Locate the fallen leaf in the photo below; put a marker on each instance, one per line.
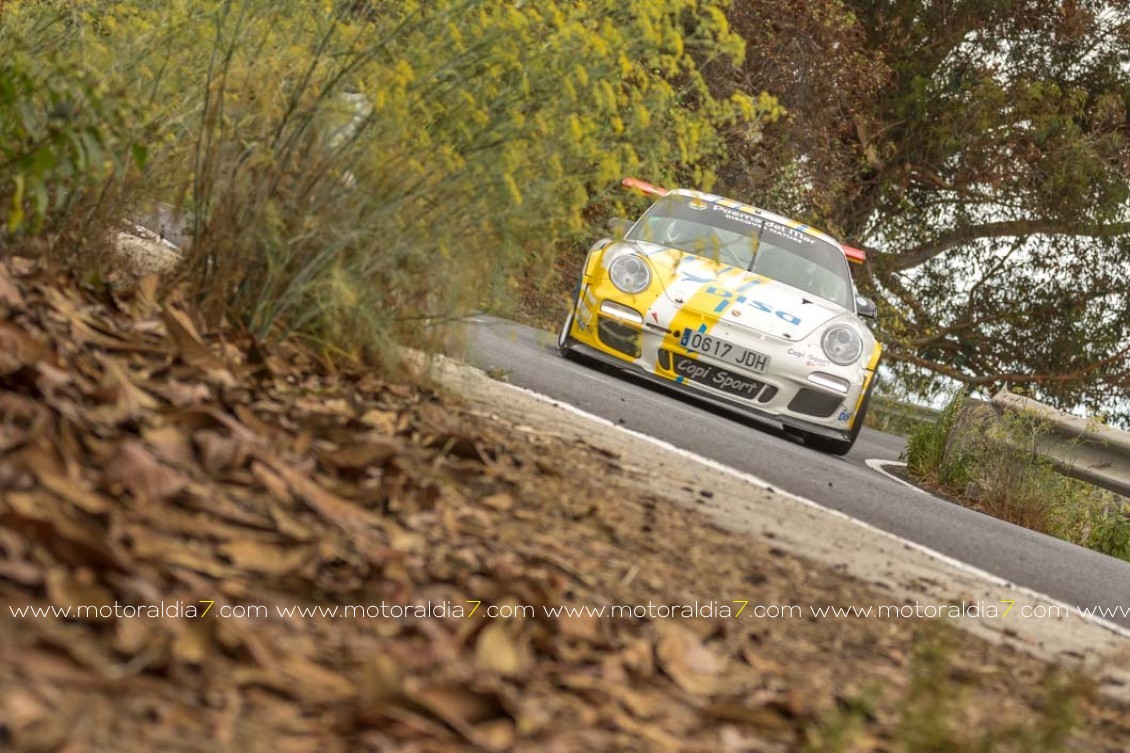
(170, 444)
(382, 420)
(275, 485)
(766, 717)
(382, 681)
(499, 650)
(121, 399)
(64, 590)
(132, 636)
(459, 706)
(217, 452)
(29, 723)
(502, 501)
(10, 295)
(582, 626)
(193, 641)
(18, 348)
(49, 472)
(685, 659)
(145, 297)
(136, 469)
(299, 678)
(181, 394)
(496, 735)
(40, 518)
(360, 456)
(331, 507)
(191, 348)
(266, 558)
(20, 418)
(458, 445)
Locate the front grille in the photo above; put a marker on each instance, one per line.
(813, 403)
(619, 336)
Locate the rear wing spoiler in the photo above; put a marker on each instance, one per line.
(640, 185)
(854, 255)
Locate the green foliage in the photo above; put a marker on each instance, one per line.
(928, 720)
(934, 708)
(994, 464)
(359, 172)
(60, 136)
(1110, 531)
(981, 150)
(926, 446)
(931, 712)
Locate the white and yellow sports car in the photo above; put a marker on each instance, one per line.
(737, 305)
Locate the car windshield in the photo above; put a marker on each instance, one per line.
(748, 241)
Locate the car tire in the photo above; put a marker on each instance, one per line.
(564, 341)
(842, 446)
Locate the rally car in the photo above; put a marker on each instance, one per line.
(737, 305)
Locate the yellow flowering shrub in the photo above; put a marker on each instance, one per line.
(357, 168)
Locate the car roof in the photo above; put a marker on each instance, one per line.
(773, 216)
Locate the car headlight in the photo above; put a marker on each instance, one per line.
(842, 345)
(630, 274)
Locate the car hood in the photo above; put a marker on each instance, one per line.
(717, 290)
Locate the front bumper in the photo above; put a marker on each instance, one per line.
(711, 398)
(647, 344)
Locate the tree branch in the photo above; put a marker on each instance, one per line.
(918, 255)
(972, 379)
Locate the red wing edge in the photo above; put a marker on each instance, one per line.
(854, 255)
(640, 185)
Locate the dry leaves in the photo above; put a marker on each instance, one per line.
(147, 466)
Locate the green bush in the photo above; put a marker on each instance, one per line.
(1110, 531)
(926, 456)
(360, 171)
(62, 137)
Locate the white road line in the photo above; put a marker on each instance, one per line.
(876, 464)
(750, 478)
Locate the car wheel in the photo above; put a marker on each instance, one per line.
(842, 446)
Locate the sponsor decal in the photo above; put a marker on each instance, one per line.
(798, 235)
(729, 298)
(712, 376)
(694, 269)
(584, 317)
(810, 360)
(742, 217)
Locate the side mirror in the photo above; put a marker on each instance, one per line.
(866, 307)
(619, 226)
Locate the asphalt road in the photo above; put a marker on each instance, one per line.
(1071, 574)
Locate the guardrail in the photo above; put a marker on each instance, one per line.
(1077, 447)
(890, 415)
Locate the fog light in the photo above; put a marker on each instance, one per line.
(830, 382)
(611, 308)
